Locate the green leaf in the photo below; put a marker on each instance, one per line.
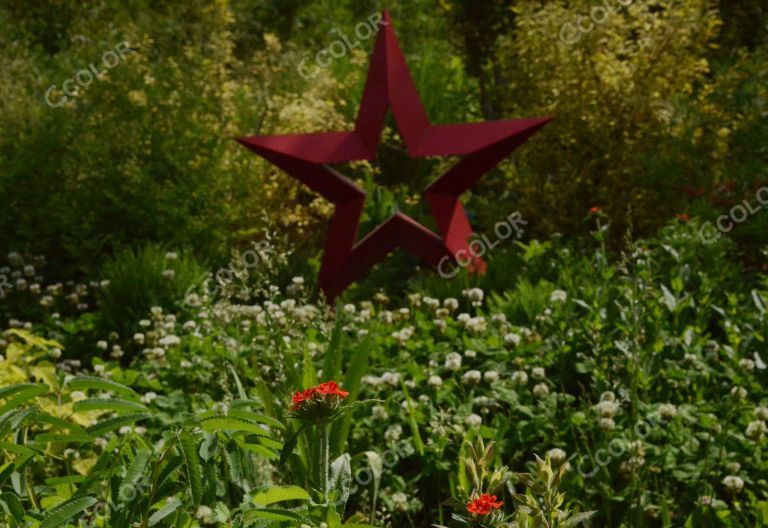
(65, 511)
(91, 382)
(417, 441)
(290, 445)
(332, 360)
(271, 514)
(188, 446)
(170, 507)
(111, 424)
(234, 462)
(58, 423)
(13, 389)
(254, 417)
(13, 506)
(63, 438)
(231, 423)
(23, 396)
(108, 404)
(280, 494)
(136, 469)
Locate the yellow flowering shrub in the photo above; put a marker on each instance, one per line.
(612, 80)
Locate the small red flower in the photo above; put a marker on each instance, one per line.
(321, 392)
(683, 217)
(595, 209)
(484, 505)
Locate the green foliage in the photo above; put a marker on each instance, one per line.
(139, 280)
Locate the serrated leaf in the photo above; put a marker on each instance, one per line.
(188, 446)
(65, 511)
(234, 462)
(94, 383)
(280, 494)
(107, 404)
(51, 438)
(10, 390)
(23, 396)
(111, 424)
(13, 506)
(255, 417)
(137, 467)
(170, 507)
(231, 423)
(271, 514)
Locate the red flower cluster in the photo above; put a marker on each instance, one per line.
(595, 209)
(684, 217)
(322, 391)
(484, 505)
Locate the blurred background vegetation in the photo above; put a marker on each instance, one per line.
(660, 111)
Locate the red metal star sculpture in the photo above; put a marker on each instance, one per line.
(389, 85)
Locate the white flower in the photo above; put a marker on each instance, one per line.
(205, 514)
(148, 397)
(138, 338)
(607, 409)
(475, 296)
(474, 421)
(557, 456)
(169, 340)
(77, 395)
(538, 373)
(519, 377)
(667, 410)
(171, 255)
(453, 361)
(98, 369)
(144, 323)
(472, 377)
(761, 413)
(102, 345)
(470, 354)
(55, 353)
(379, 412)
(476, 325)
(374, 381)
(125, 429)
(169, 274)
(747, 364)
(607, 423)
(608, 396)
(435, 381)
(739, 392)
(393, 433)
(558, 296)
(490, 376)
(349, 308)
(540, 390)
(191, 325)
(512, 339)
(391, 378)
(756, 430)
(733, 484)
(400, 501)
(451, 304)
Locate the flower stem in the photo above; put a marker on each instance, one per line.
(325, 459)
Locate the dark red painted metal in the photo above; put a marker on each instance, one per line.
(390, 85)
